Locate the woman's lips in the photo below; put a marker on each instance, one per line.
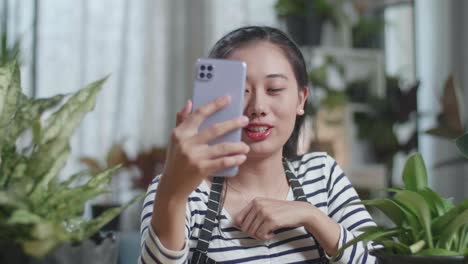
(258, 131)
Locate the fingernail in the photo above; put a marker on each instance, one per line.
(185, 106)
(244, 120)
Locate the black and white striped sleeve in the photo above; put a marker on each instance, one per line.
(152, 250)
(350, 217)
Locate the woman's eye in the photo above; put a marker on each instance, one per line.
(275, 90)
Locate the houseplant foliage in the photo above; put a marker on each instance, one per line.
(148, 163)
(378, 119)
(426, 227)
(37, 211)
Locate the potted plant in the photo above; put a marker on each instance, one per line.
(304, 18)
(41, 218)
(141, 168)
(377, 118)
(367, 32)
(148, 163)
(426, 228)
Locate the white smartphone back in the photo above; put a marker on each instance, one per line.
(215, 78)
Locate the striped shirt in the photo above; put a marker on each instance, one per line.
(325, 186)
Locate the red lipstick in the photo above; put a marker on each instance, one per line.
(258, 131)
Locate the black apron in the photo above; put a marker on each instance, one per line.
(204, 238)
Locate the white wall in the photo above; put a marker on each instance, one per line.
(441, 41)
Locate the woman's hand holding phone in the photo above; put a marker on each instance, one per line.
(190, 158)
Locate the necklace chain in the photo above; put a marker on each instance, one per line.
(242, 194)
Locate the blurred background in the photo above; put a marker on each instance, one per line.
(388, 78)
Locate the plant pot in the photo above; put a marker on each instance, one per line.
(306, 30)
(88, 252)
(387, 258)
(98, 209)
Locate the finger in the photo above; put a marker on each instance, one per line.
(197, 117)
(225, 149)
(221, 128)
(213, 165)
(263, 233)
(242, 214)
(255, 225)
(248, 220)
(184, 113)
(266, 230)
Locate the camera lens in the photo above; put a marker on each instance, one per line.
(202, 75)
(210, 68)
(208, 75)
(202, 67)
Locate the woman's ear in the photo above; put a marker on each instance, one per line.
(303, 95)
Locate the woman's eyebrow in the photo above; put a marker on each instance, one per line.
(277, 75)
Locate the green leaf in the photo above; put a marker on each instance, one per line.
(39, 248)
(74, 178)
(462, 144)
(407, 220)
(449, 232)
(414, 173)
(46, 236)
(54, 169)
(434, 201)
(8, 199)
(417, 205)
(463, 243)
(23, 216)
(10, 93)
(441, 223)
(94, 225)
(395, 247)
(69, 202)
(392, 210)
(57, 132)
(28, 115)
(372, 233)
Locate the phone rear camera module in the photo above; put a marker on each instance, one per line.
(209, 75)
(202, 67)
(210, 68)
(202, 75)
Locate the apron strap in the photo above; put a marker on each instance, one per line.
(300, 196)
(206, 231)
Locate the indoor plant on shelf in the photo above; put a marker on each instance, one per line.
(304, 18)
(427, 228)
(41, 218)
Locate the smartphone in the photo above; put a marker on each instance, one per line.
(215, 78)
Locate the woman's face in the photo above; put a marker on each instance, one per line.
(272, 98)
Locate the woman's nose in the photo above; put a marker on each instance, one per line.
(255, 106)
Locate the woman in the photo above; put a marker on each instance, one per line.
(281, 207)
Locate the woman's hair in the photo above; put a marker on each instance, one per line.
(244, 36)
